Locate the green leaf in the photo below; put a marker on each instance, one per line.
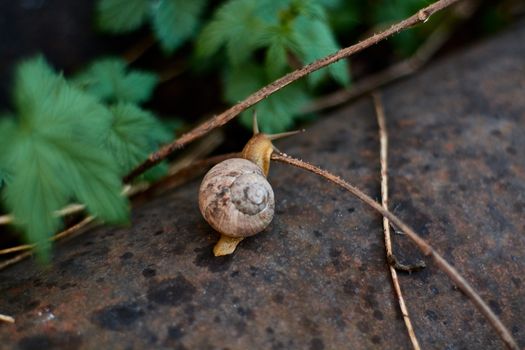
(277, 112)
(174, 21)
(110, 80)
(315, 40)
(236, 26)
(36, 190)
(134, 134)
(120, 16)
(280, 43)
(53, 153)
(6, 133)
(92, 179)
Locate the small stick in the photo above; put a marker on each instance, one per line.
(56, 237)
(422, 245)
(383, 156)
(420, 16)
(8, 319)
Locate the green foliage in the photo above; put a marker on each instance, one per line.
(173, 21)
(272, 37)
(134, 134)
(111, 81)
(288, 33)
(120, 16)
(65, 145)
(276, 113)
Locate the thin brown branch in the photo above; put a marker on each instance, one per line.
(383, 156)
(422, 245)
(401, 69)
(221, 119)
(5, 318)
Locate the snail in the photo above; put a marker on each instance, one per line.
(235, 197)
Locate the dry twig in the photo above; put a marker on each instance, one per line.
(221, 119)
(401, 69)
(422, 245)
(28, 248)
(383, 155)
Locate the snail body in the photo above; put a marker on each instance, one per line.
(235, 197)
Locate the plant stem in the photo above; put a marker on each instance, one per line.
(425, 247)
(421, 16)
(401, 69)
(383, 157)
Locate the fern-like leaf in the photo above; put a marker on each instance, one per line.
(53, 154)
(120, 16)
(277, 112)
(236, 26)
(175, 21)
(315, 40)
(110, 80)
(134, 134)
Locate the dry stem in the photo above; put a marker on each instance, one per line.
(400, 69)
(67, 232)
(221, 119)
(383, 156)
(426, 248)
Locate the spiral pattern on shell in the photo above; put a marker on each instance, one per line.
(236, 199)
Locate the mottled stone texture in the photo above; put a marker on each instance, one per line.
(317, 277)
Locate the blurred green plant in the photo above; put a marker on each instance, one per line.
(253, 43)
(173, 21)
(64, 143)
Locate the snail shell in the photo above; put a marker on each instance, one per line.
(236, 199)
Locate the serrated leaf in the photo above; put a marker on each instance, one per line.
(134, 134)
(35, 82)
(174, 21)
(110, 80)
(277, 112)
(120, 16)
(36, 190)
(92, 178)
(236, 26)
(315, 40)
(280, 43)
(53, 152)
